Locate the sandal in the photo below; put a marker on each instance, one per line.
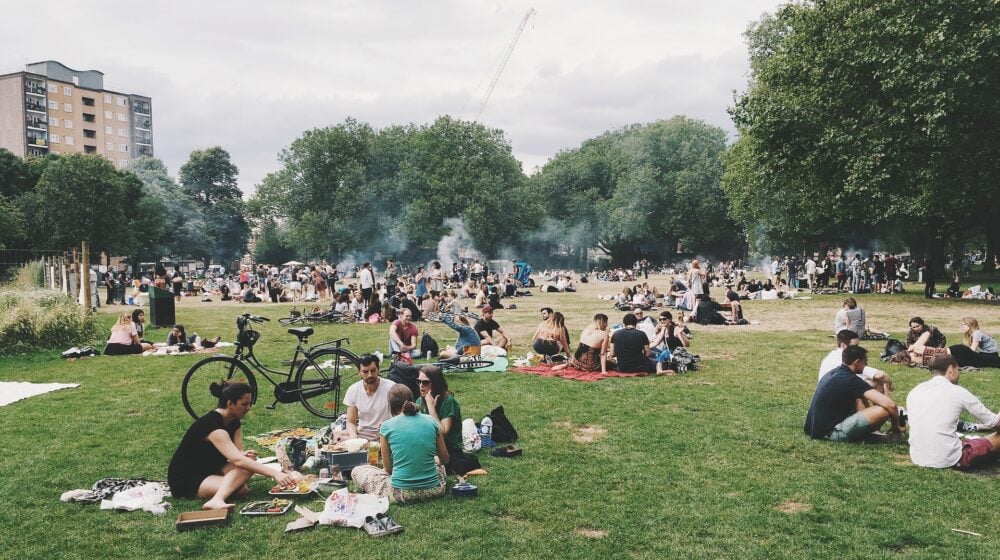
(390, 525)
(508, 452)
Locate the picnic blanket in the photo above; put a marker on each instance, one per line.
(175, 351)
(13, 391)
(570, 372)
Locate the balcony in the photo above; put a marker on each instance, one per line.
(88, 101)
(37, 123)
(38, 150)
(89, 133)
(37, 139)
(87, 117)
(89, 149)
(31, 104)
(34, 88)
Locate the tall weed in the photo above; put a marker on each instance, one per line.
(31, 275)
(53, 321)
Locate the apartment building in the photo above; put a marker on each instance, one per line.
(51, 108)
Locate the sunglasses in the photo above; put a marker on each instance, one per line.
(424, 381)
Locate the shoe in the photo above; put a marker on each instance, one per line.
(389, 524)
(967, 427)
(508, 452)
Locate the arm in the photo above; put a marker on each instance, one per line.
(679, 333)
(352, 421)
(442, 450)
(604, 354)
(485, 338)
(877, 398)
(386, 454)
(235, 455)
(394, 337)
(975, 343)
(412, 344)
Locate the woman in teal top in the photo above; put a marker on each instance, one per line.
(410, 442)
(437, 402)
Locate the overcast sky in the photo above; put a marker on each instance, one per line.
(252, 75)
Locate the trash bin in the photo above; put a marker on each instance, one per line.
(161, 307)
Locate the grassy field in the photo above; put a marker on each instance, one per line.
(713, 464)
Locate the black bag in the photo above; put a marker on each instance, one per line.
(402, 372)
(503, 430)
(682, 361)
(429, 345)
(892, 348)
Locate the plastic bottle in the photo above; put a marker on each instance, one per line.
(486, 426)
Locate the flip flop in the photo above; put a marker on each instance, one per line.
(391, 527)
(508, 452)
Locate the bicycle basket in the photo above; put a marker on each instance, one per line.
(248, 338)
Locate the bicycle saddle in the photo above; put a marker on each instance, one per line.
(301, 332)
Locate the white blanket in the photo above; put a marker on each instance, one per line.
(13, 391)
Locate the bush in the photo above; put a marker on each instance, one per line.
(31, 275)
(47, 322)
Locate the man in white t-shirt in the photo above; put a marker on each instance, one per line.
(811, 272)
(934, 409)
(877, 378)
(645, 324)
(367, 401)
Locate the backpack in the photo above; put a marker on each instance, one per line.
(429, 346)
(402, 372)
(892, 348)
(503, 430)
(683, 361)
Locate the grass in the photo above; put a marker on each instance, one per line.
(709, 465)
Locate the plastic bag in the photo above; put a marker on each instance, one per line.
(148, 497)
(471, 440)
(350, 510)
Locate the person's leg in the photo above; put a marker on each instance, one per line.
(964, 355)
(219, 488)
(371, 480)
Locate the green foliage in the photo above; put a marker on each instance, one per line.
(270, 246)
(30, 276)
(209, 179)
(183, 228)
(877, 113)
(641, 190)
(42, 320)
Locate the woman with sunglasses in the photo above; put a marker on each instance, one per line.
(438, 402)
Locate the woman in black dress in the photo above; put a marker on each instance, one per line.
(210, 462)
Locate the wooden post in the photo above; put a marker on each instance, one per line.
(85, 276)
(64, 271)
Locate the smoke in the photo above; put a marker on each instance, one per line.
(457, 245)
(347, 264)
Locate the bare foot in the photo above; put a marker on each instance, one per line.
(217, 504)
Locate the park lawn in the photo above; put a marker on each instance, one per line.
(712, 464)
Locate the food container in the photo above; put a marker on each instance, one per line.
(464, 490)
(267, 507)
(346, 460)
(202, 518)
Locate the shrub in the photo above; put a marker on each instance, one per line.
(31, 275)
(45, 321)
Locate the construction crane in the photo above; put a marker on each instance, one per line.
(503, 62)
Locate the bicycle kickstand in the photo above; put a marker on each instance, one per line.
(273, 405)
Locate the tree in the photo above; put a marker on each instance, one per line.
(209, 178)
(185, 233)
(874, 113)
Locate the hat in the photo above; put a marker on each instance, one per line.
(487, 309)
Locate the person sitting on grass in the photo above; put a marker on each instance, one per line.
(210, 462)
(467, 336)
(845, 408)
(592, 353)
(438, 402)
(934, 408)
(179, 337)
(403, 335)
(923, 335)
(139, 322)
(979, 350)
(850, 316)
(124, 339)
(366, 400)
(550, 336)
(413, 454)
(877, 378)
(490, 332)
(630, 348)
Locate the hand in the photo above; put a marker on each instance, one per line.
(431, 401)
(283, 478)
(251, 454)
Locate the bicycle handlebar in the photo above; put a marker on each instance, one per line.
(248, 317)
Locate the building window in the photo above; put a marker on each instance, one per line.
(89, 118)
(123, 148)
(54, 138)
(109, 130)
(53, 121)
(67, 123)
(69, 140)
(122, 117)
(89, 133)
(54, 105)
(109, 115)
(107, 99)
(88, 101)
(89, 149)
(122, 102)
(53, 88)
(110, 146)
(67, 90)
(68, 107)
(123, 132)
(122, 163)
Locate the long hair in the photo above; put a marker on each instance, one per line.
(229, 391)
(973, 325)
(401, 400)
(439, 386)
(600, 323)
(124, 322)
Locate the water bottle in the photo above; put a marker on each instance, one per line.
(486, 431)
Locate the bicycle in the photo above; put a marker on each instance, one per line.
(317, 315)
(313, 379)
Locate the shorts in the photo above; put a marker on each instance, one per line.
(852, 428)
(973, 451)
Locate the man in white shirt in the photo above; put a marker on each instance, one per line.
(811, 272)
(877, 378)
(366, 276)
(367, 401)
(934, 409)
(645, 324)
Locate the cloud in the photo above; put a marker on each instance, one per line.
(252, 75)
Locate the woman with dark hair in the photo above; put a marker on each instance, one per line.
(436, 401)
(210, 462)
(410, 442)
(139, 322)
(373, 313)
(923, 335)
(592, 353)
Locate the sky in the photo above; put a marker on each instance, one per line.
(253, 75)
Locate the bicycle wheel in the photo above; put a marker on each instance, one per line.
(318, 380)
(197, 398)
(290, 320)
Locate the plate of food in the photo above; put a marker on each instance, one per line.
(300, 488)
(275, 506)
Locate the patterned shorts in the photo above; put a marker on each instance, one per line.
(373, 480)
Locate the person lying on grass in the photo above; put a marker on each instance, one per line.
(877, 378)
(411, 443)
(210, 462)
(934, 408)
(845, 408)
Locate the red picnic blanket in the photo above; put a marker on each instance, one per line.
(570, 372)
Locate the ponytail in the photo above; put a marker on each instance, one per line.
(409, 408)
